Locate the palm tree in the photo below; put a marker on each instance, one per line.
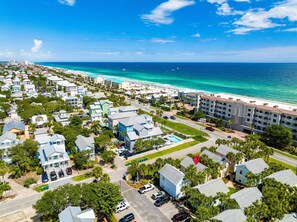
(230, 122)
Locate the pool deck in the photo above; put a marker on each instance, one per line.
(160, 149)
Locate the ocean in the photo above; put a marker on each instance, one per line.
(272, 81)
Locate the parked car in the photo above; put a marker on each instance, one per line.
(122, 206)
(180, 216)
(173, 117)
(165, 117)
(128, 218)
(44, 177)
(146, 188)
(61, 173)
(209, 128)
(119, 150)
(53, 176)
(68, 171)
(229, 137)
(126, 154)
(159, 202)
(157, 195)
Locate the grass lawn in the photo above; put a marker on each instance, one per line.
(168, 151)
(271, 160)
(181, 117)
(285, 153)
(39, 188)
(81, 177)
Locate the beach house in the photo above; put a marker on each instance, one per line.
(53, 155)
(7, 140)
(172, 180)
(187, 161)
(145, 131)
(113, 119)
(246, 197)
(285, 177)
(85, 144)
(39, 120)
(96, 112)
(14, 126)
(212, 187)
(223, 151)
(62, 118)
(234, 215)
(217, 159)
(255, 166)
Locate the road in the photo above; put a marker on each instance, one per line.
(284, 159)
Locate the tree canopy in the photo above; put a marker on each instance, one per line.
(277, 136)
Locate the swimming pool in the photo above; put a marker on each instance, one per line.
(174, 139)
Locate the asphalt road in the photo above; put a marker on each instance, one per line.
(143, 209)
(284, 159)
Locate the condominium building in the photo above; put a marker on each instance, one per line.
(249, 114)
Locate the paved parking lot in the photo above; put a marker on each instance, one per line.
(141, 205)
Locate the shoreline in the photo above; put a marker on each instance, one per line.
(160, 85)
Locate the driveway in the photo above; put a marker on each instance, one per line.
(140, 205)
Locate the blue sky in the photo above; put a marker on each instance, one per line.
(149, 30)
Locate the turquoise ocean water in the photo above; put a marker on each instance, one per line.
(273, 81)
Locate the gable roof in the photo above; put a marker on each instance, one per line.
(187, 161)
(8, 135)
(216, 158)
(172, 174)
(13, 124)
(130, 121)
(75, 214)
(212, 187)
(224, 150)
(246, 197)
(57, 137)
(255, 166)
(285, 177)
(232, 215)
(83, 142)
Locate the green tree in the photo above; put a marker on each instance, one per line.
(55, 201)
(3, 187)
(277, 136)
(102, 196)
(97, 172)
(108, 156)
(102, 141)
(81, 159)
(198, 115)
(75, 121)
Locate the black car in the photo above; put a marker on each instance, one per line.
(61, 173)
(53, 176)
(128, 218)
(68, 171)
(159, 202)
(165, 117)
(44, 177)
(126, 154)
(180, 216)
(173, 117)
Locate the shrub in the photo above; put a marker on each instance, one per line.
(39, 171)
(29, 181)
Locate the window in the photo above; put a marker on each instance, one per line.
(240, 172)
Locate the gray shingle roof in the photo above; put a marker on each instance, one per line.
(255, 166)
(57, 137)
(232, 215)
(285, 177)
(130, 121)
(246, 197)
(7, 135)
(14, 124)
(83, 142)
(172, 174)
(212, 187)
(224, 150)
(122, 115)
(216, 158)
(187, 161)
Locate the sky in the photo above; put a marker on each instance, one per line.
(149, 30)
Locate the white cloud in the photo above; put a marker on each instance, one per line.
(290, 30)
(37, 45)
(259, 19)
(6, 54)
(67, 2)
(208, 40)
(197, 35)
(162, 13)
(139, 53)
(223, 8)
(161, 41)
